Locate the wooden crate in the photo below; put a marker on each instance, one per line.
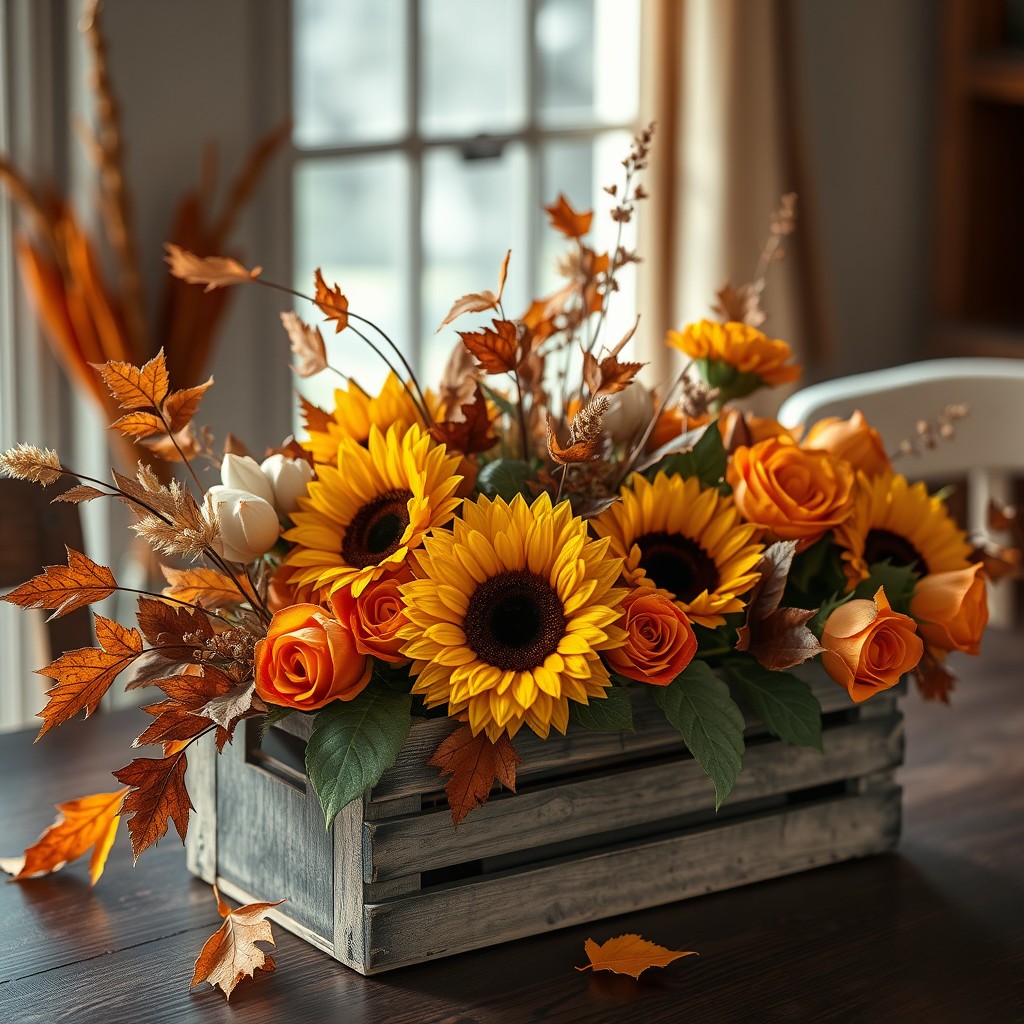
(603, 824)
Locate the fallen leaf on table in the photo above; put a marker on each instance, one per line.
(629, 954)
(231, 953)
(90, 822)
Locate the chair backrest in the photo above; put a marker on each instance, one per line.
(33, 533)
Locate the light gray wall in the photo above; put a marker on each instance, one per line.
(867, 75)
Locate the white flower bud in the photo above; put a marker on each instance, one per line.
(248, 524)
(243, 473)
(628, 413)
(290, 480)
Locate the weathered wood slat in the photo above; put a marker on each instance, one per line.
(620, 799)
(408, 930)
(201, 783)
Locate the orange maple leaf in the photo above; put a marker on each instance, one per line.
(572, 223)
(497, 350)
(180, 406)
(85, 675)
(473, 433)
(629, 954)
(156, 793)
(474, 763)
(136, 387)
(139, 424)
(90, 822)
(231, 953)
(313, 417)
(213, 271)
(478, 302)
(331, 302)
(65, 588)
(206, 587)
(190, 705)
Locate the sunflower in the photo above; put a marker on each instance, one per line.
(355, 412)
(509, 613)
(899, 522)
(686, 540)
(362, 517)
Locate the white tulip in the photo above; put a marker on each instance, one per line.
(290, 480)
(628, 413)
(248, 524)
(243, 473)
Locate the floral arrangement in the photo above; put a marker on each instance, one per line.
(520, 548)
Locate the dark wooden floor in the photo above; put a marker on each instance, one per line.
(931, 934)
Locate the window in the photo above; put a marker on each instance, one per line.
(427, 135)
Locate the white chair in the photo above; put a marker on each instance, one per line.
(988, 446)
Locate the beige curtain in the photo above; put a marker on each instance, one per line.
(719, 80)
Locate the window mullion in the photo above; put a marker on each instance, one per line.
(415, 211)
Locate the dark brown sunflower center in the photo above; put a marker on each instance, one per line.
(376, 529)
(677, 564)
(883, 545)
(514, 620)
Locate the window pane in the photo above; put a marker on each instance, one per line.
(581, 169)
(588, 57)
(349, 71)
(473, 57)
(351, 220)
(472, 212)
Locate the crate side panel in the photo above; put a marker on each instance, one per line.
(617, 800)
(439, 923)
(271, 839)
(201, 783)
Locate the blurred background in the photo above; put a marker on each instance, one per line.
(404, 145)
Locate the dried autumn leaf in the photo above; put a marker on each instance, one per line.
(331, 302)
(474, 763)
(571, 223)
(934, 680)
(206, 587)
(170, 448)
(498, 350)
(231, 953)
(213, 271)
(460, 378)
(90, 822)
(585, 435)
(29, 462)
(314, 419)
(228, 709)
(81, 492)
(65, 588)
(139, 424)
(307, 345)
(175, 630)
(473, 433)
(180, 406)
(1004, 517)
(136, 387)
(742, 304)
(157, 794)
(629, 954)
(615, 376)
(85, 675)
(478, 302)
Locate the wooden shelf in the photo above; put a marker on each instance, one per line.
(967, 338)
(998, 76)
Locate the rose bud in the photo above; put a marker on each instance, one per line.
(660, 641)
(243, 473)
(868, 646)
(951, 609)
(248, 525)
(628, 413)
(308, 659)
(289, 479)
(854, 440)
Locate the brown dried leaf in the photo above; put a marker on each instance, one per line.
(781, 640)
(474, 764)
(629, 954)
(29, 462)
(314, 419)
(181, 406)
(206, 587)
(76, 495)
(170, 448)
(615, 376)
(231, 954)
(229, 708)
(585, 435)
(473, 433)
(460, 378)
(135, 387)
(213, 271)
(331, 302)
(478, 302)
(742, 304)
(139, 425)
(307, 345)
(934, 680)
(65, 588)
(175, 630)
(571, 223)
(85, 675)
(497, 350)
(157, 794)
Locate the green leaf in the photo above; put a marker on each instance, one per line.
(272, 717)
(730, 382)
(706, 460)
(498, 399)
(700, 706)
(353, 743)
(898, 581)
(815, 573)
(785, 704)
(613, 713)
(504, 478)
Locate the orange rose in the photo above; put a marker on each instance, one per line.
(670, 424)
(868, 646)
(308, 659)
(282, 592)
(951, 609)
(375, 617)
(660, 641)
(854, 440)
(759, 428)
(793, 493)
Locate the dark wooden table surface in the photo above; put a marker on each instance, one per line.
(932, 933)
